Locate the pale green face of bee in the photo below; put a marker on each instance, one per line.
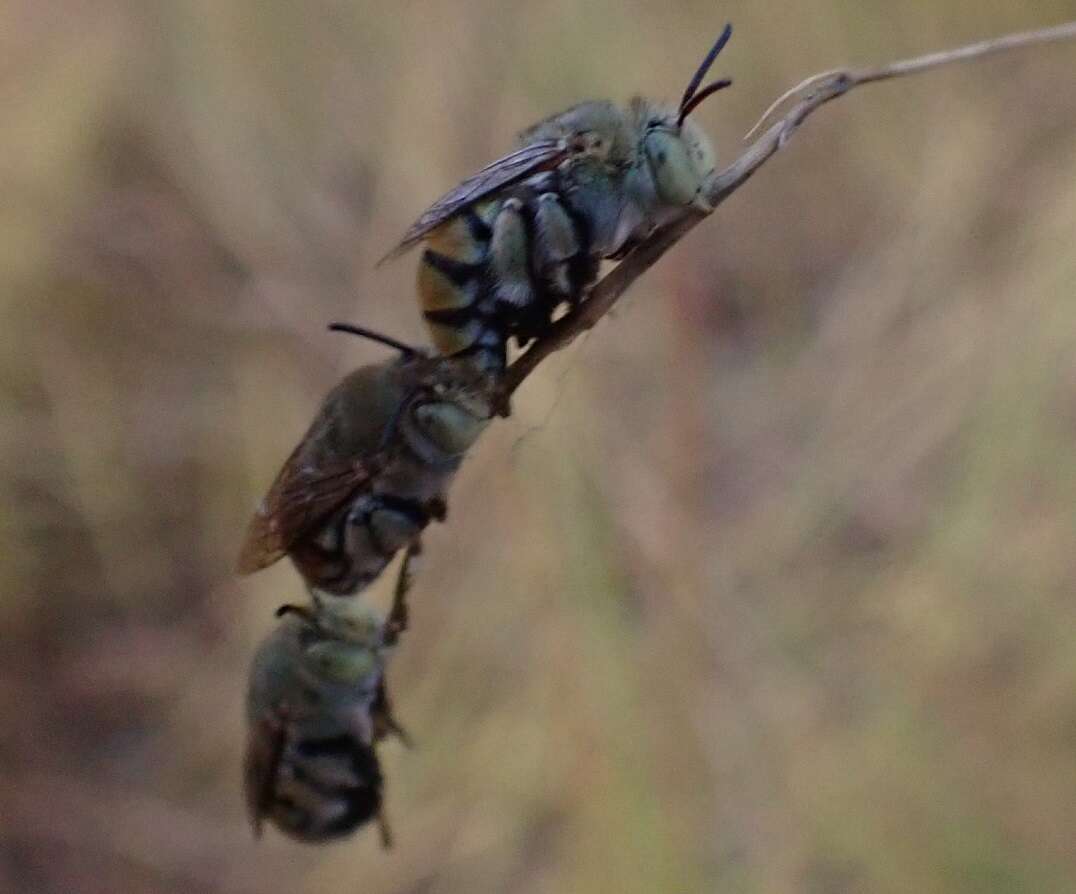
(458, 410)
(675, 156)
(450, 426)
(679, 161)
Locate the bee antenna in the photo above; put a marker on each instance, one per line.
(696, 100)
(387, 340)
(301, 610)
(696, 79)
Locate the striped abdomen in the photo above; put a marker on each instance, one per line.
(501, 268)
(324, 788)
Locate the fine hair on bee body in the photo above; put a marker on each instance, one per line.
(527, 233)
(372, 470)
(317, 706)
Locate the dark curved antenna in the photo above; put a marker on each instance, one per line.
(696, 100)
(686, 105)
(302, 611)
(387, 340)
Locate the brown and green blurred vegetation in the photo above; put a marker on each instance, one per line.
(769, 584)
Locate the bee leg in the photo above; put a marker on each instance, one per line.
(555, 243)
(437, 507)
(508, 257)
(302, 611)
(501, 403)
(384, 828)
(390, 523)
(384, 721)
(585, 269)
(262, 765)
(398, 614)
(399, 732)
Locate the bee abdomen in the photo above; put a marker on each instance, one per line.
(480, 231)
(502, 269)
(450, 290)
(460, 274)
(353, 550)
(488, 348)
(450, 276)
(469, 330)
(326, 788)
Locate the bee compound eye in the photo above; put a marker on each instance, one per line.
(674, 172)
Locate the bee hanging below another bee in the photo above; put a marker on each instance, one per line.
(372, 470)
(527, 233)
(316, 707)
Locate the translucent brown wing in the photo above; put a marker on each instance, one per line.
(540, 155)
(265, 747)
(300, 497)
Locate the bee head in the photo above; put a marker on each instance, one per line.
(336, 801)
(677, 153)
(456, 406)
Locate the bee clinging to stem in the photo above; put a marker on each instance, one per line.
(316, 708)
(372, 470)
(512, 243)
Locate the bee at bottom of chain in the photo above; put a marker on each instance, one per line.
(317, 706)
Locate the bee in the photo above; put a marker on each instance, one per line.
(372, 470)
(316, 708)
(527, 233)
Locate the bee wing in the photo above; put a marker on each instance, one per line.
(265, 747)
(537, 156)
(299, 498)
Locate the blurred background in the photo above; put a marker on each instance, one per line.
(768, 584)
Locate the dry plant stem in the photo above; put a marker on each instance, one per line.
(823, 88)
